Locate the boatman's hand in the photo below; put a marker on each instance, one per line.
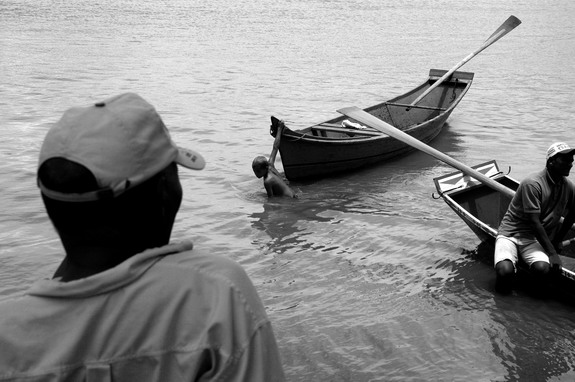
(555, 262)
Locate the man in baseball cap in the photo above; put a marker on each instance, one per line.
(532, 227)
(122, 141)
(125, 304)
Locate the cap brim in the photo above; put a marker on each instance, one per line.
(565, 152)
(190, 159)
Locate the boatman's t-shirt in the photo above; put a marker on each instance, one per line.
(538, 194)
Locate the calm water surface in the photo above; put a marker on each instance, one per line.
(366, 277)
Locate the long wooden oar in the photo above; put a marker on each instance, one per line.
(369, 120)
(505, 28)
(276, 146)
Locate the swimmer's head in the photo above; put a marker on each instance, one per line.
(260, 166)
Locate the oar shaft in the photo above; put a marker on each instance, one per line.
(276, 144)
(505, 28)
(441, 80)
(368, 119)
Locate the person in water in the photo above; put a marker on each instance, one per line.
(273, 183)
(531, 230)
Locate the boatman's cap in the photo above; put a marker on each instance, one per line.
(559, 148)
(121, 140)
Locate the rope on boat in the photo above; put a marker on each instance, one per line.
(300, 137)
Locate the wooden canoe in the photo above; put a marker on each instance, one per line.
(332, 147)
(482, 208)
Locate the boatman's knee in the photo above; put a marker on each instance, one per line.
(504, 268)
(540, 267)
(505, 271)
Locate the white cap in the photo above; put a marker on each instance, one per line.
(558, 148)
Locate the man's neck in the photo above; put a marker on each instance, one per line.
(555, 177)
(69, 271)
(81, 262)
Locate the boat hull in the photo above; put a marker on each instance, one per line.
(326, 149)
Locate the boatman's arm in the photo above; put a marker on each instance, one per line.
(544, 240)
(565, 227)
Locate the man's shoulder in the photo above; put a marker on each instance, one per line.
(569, 184)
(541, 179)
(11, 300)
(204, 269)
(198, 258)
(203, 263)
(534, 179)
(272, 178)
(536, 176)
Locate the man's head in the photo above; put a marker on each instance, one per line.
(109, 170)
(560, 158)
(260, 166)
(122, 141)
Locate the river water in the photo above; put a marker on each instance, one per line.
(366, 277)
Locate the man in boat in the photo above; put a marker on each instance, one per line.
(124, 304)
(273, 183)
(531, 229)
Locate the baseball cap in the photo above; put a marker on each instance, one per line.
(558, 148)
(121, 140)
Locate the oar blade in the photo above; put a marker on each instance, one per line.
(511, 23)
(505, 28)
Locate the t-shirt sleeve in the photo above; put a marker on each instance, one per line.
(531, 197)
